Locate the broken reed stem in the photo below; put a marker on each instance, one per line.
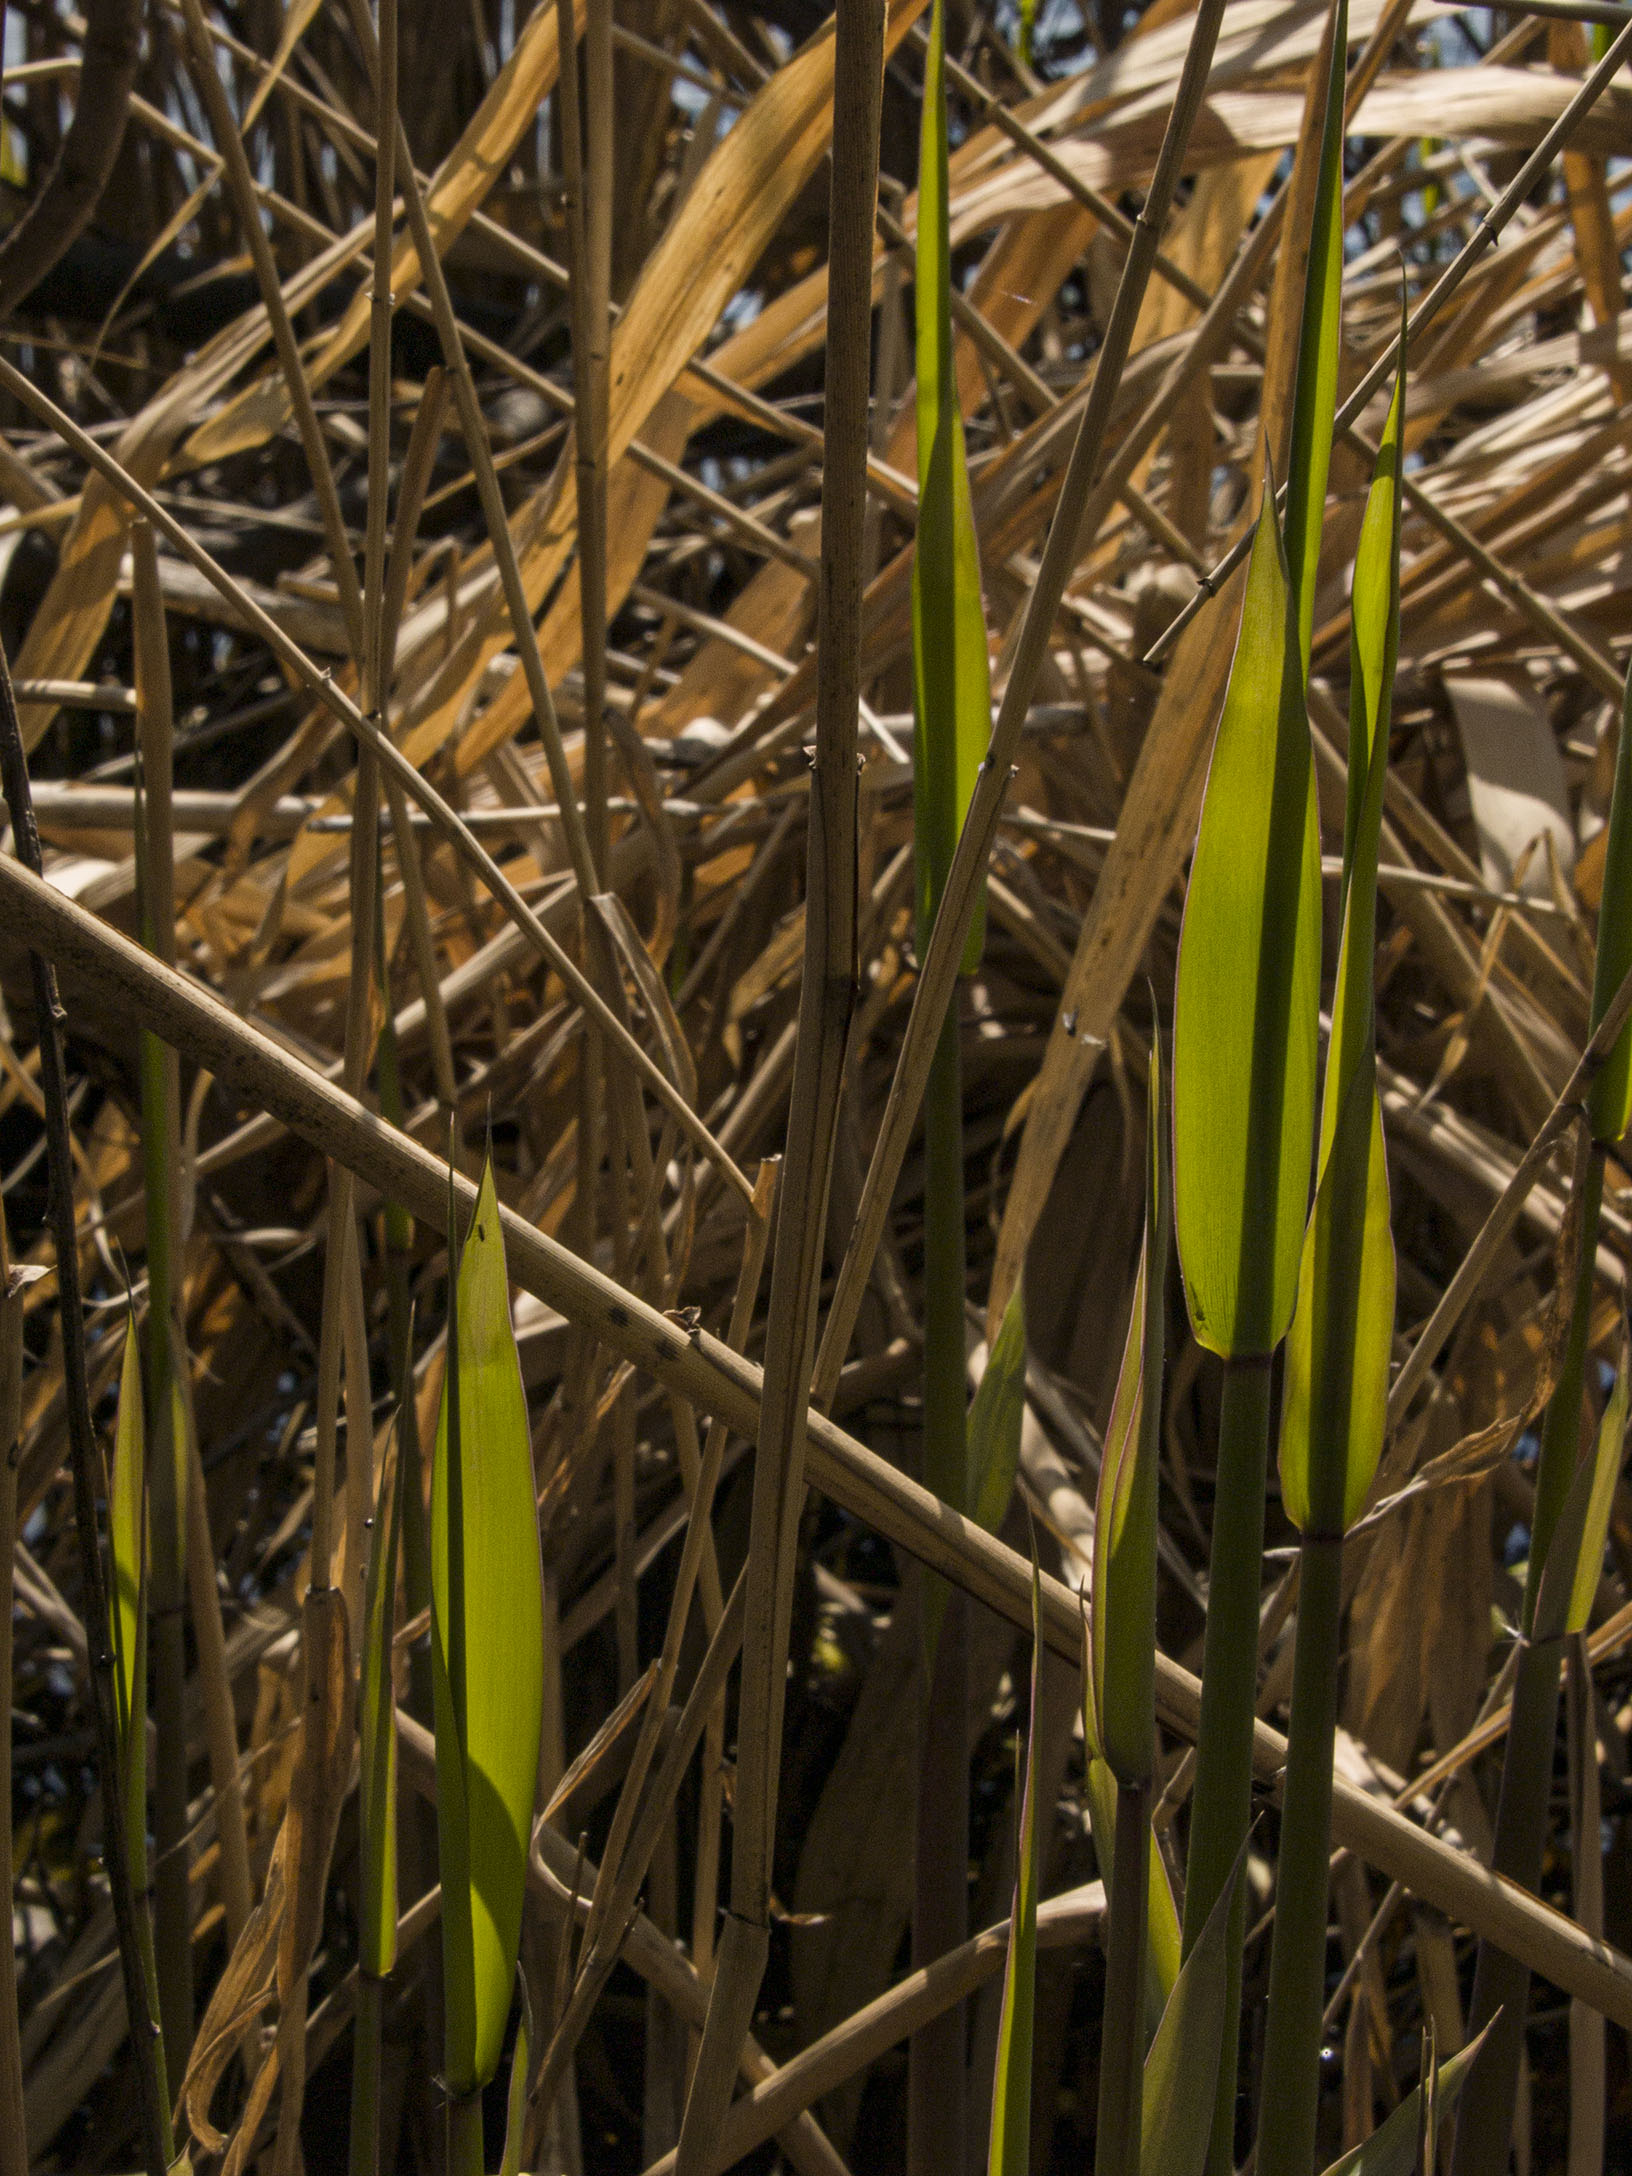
(167, 1454)
(1501, 1983)
(146, 2038)
(827, 1001)
(1221, 1804)
(1122, 2042)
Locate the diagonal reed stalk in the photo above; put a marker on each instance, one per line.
(119, 975)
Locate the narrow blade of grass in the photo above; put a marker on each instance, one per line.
(1009, 2148)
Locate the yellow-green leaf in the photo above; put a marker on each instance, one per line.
(1182, 2065)
(1335, 1402)
(1009, 2147)
(486, 1650)
(995, 1417)
(1246, 1017)
(127, 1536)
(1122, 1646)
(951, 672)
(1575, 1554)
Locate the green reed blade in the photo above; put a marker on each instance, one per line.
(1314, 400)
(1395, 2147)
(995, 1416)
(487, 1652)
(1122, 1646)
(377, 1781)
(127, 1537)
(951, 672)
(1178, 2108)
(1610, 1100)
(1575, 1559)
(1009, 2147)
(1246, 1016)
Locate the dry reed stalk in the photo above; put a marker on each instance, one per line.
(81, 1438)
(826, 1002)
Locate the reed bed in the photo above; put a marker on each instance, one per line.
(608, 715)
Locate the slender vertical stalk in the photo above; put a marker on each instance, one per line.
(1297, 1984)
(1501, 1983)
(940, 1921)
(167, 1463)
(13, 2130)
(1221, 1806)
(827, 1002)
(466, 2144)
(365, 2076)
(1122, 2038)
(153, 2108)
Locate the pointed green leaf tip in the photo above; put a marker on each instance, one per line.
(1395, 2147)
(1009, 2147)
(1122, 1647)
(1246, 1018)
(486, 1650)
(951, 673)
(1335, 1404)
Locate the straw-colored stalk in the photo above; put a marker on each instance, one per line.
(161, 1155)
(153, 2105)
(13, 2128)
(827, 1000)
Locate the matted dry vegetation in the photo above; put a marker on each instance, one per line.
(148, 356)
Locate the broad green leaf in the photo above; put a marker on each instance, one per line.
(1610, 1101)
(1009, 2148)
(1314, 400)
(1122, 1646)
(486, 1650)
(1246, 1016)
(377, 1720)
(995, 1417)
(1335, 1401)
(951, 671)
(1393, 2149)
(1575, 1555)
(127, 1537)
(1182, 2067)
